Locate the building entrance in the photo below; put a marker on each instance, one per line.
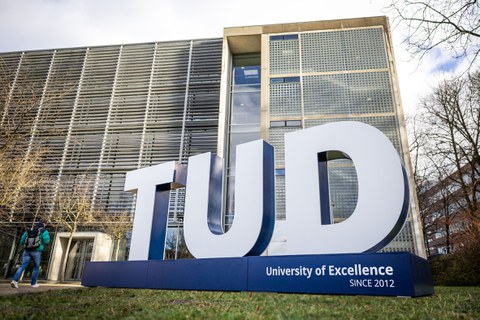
(80, 252)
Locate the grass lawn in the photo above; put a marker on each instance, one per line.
(106, 303)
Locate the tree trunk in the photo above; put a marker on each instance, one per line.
(117, 249)
(447, 232)
(427, 246)
(63, 266)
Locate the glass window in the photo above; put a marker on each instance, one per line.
(290, 37)
(284, 37)
(284, 79)
(294, 123)
(274, 124)
(292, 79)
(277, 80)
(245, 117)
(276, 38)
(246, 75)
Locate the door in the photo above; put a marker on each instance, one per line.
(80, 252)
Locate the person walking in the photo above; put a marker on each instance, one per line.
(33, 240)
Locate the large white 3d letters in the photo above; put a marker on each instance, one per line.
(382, 190)
(152, 186)
(252, 227)
(381, 210)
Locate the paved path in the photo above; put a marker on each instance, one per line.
(24, 287)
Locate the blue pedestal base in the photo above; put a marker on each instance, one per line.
(384, 274)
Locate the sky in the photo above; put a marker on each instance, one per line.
(49, 24)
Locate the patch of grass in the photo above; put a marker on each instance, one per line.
(107, 303)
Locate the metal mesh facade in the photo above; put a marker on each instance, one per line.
(284, 56)
(345, 50)
(339, 75)
(351, 93)
(103, 111)
(285, 99)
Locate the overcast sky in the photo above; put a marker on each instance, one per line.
(49, 24)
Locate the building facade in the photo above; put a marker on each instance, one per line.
(449, 210)
(104, 111)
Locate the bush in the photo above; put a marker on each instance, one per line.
(460, 268)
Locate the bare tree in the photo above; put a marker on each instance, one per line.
(451, 24)
(116, 225)
(19, 101)
(72, 210)
(175, 246)
(422, 177)
(22, 198)
(28, 99)
(441, 212)
(21, 171)
(446, 154)
(455, 111)
(23, 187)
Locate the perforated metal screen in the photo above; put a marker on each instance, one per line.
(340, 75)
